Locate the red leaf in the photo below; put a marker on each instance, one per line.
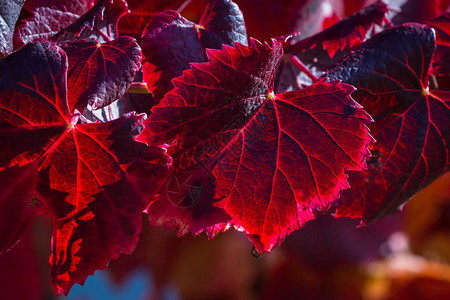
(46, 18)
(100, 22)
(91, 177)
(170, 42)
(277, 159)
(346, 33)
(100, 73)
(9, 12)
(411, 128)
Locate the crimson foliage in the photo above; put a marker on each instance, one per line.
(258, 136)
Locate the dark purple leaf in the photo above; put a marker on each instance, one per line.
(100, 22)
(100, 73)
(390, 72)
(44, 18)
(266, 19)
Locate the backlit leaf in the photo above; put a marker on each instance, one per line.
(277, 160)
(90, 178)
(100, 73)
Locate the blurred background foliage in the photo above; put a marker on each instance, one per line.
(404, 256)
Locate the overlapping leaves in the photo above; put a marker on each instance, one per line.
(9, 13)
(170, 42)
(43, 19)
(412, 129)
(112, 64)
(88, 177)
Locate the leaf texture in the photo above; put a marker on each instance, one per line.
(441, 25)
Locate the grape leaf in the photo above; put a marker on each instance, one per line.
(262, 149)
(390, 72)
(100, 73)
(100, 22)
(43, 19)
(9, 13)
(347, 33)
(170, 42)
(90, 178)
(21, 273)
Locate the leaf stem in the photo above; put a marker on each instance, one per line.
(138, 88)
(298, 63)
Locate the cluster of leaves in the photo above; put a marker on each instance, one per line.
(235, 132)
